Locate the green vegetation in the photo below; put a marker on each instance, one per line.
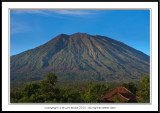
(94, 92)
(144, 91)
(131, 86)
(46, 91)
(117, 99)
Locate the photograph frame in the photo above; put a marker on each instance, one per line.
(69, 106)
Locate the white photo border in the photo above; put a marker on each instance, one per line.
(153, 106)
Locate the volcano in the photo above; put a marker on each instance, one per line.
(80, 57)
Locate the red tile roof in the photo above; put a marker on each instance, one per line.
(123, 94)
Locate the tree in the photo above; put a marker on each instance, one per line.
(68, 95)
(15, 95)
(29, 89)
(33, 92)
(48, 88)
(49, 83)
(145, 81)
(94, 93)
(130, 86)
(144, 91)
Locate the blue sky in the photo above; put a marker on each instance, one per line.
(32, 28)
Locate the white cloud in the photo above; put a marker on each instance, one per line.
(72, 12)
(30, 12)
(53, 12)
(21, 27)
(16, 27)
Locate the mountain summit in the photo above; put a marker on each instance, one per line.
(80, 56)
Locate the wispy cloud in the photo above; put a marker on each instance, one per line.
(72, 12)
(54, 12)
(42, 12)
(16, 27)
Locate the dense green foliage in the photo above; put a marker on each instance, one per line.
(46, 91)
(94, 92)
(131, 86)
(144, 91)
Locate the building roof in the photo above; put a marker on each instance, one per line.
(123, 93)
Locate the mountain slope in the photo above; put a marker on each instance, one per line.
(81, 57)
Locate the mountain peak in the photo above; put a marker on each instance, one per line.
(81, 56)
(62, 34)
(81, 34)
(77, 34)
